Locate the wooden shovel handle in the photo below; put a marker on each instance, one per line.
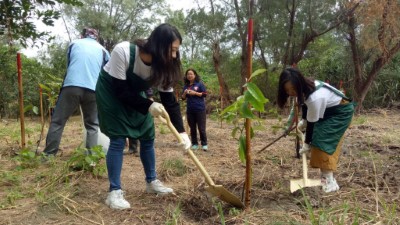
(300, 137)
(165, 118)
(305, 170)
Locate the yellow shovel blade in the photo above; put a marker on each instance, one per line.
(215, 190)
(223, 194)
(301, 183)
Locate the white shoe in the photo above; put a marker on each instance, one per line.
(115, 200)
(156, 186)
(329, 185)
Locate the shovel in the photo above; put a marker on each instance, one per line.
(215, 190)
(305, 182)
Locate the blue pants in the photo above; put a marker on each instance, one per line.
(115, 157)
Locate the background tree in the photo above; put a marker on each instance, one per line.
(33, 73)
(116, 21)
(8, 97)
(286, 28)
(240, 14)
(17, 19)
(207, 31)
(373, 36)
(360, 55)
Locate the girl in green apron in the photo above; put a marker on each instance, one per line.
(326, 115)
(126, 112)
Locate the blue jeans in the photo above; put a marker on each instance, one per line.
(115, 157)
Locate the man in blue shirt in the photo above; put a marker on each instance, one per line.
(86, 57)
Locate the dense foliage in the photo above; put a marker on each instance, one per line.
(329, 40)
(17, 19)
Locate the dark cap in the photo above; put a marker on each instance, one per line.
(90, 33)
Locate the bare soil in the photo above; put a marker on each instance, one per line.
(368, 175)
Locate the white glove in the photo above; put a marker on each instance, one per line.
(156, 109)
(305, 148)
(186, 141)
(302, 125)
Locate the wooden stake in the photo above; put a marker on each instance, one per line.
(21, 100)
(41, 104)
(41, 118)
(248, 121)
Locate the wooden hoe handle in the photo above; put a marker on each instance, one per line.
(165, 118)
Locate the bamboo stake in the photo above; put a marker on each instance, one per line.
(49, 109)
(41, 104)
(41, 118)
(21, 100)
(222, 100)
(248, 121)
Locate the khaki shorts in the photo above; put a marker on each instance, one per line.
(322, 160)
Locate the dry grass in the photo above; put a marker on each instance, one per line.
(369, 176)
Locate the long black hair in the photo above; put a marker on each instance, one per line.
(303, 86)
(166, 71)
(196, 76)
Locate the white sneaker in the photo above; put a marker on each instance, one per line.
(156, 186)
(329, 185)
(115, 200)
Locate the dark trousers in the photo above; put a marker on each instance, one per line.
(69, 100)
(197, 120)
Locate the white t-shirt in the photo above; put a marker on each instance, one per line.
(119, 64)
(319, 100)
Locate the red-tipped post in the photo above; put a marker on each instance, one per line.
(248, 121)
(21, 100)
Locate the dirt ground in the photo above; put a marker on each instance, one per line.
(368, 175)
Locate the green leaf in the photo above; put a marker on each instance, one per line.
(245, 111)
(28, 108)
(242, 149)
(234, 131)
(257, 73)
(259, 106)
(31, 155)
(35, 110)
(88, 160)
(230, 108)
(240, 98)
(45, 88)
(256, 92)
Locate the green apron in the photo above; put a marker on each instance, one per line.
(329, 130)
(116, 119)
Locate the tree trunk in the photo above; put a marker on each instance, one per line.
(357, 86)
(225, 96)
(243, 40)
(216, 50)
(295, 52)
(264, 61)
(362, 85)
(288, 50)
